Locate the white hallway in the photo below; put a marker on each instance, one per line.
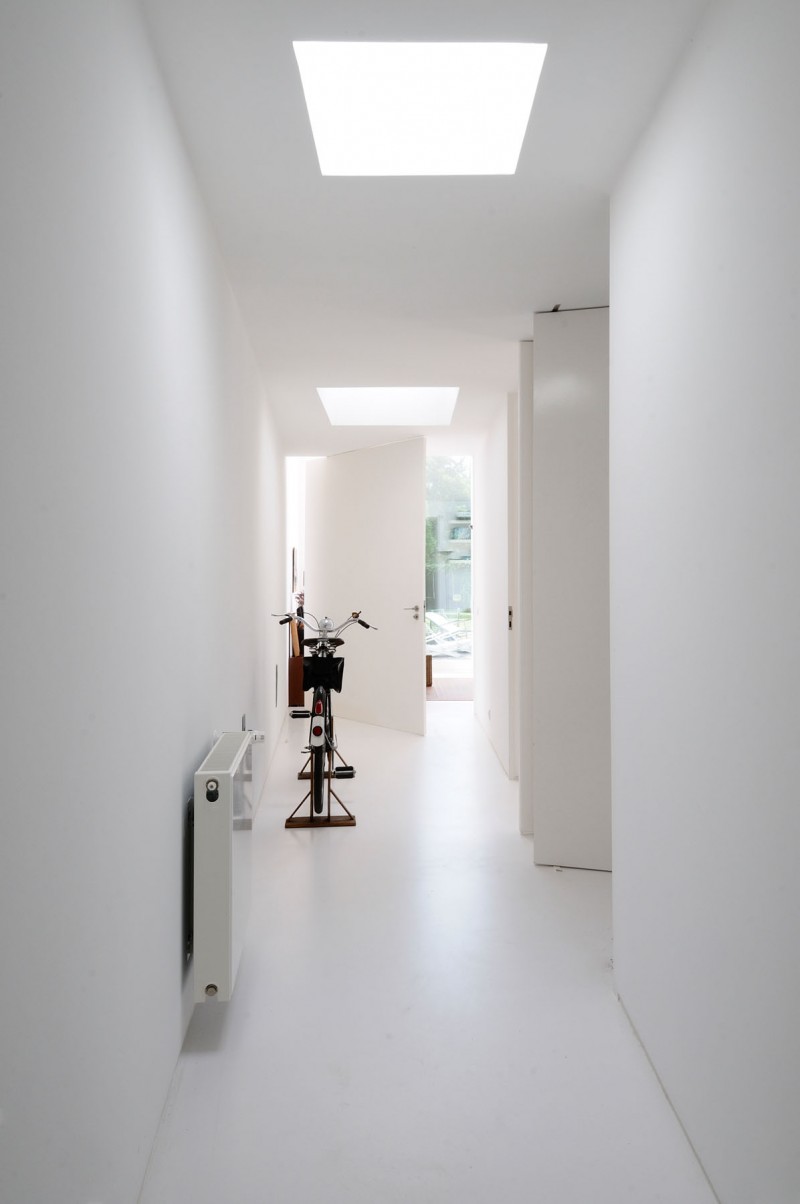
(142, 445)
(421, 1013)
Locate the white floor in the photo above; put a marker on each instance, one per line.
(421, 1014)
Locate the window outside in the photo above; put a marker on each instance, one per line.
(448, 564)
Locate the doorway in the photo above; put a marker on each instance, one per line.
(448, 579)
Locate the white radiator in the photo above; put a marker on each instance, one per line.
(223, 822)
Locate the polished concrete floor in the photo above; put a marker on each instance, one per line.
(421, 1014)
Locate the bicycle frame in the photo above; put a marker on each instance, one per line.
(323, 672)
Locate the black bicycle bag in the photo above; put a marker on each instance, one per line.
(325, 671)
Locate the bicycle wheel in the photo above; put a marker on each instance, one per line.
(318, 777)
(318, 746)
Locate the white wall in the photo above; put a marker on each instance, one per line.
(570, 687)
(705, 503)
(522, 434)
(491, 585)
(141, 506)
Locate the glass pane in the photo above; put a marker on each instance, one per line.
(448, 565)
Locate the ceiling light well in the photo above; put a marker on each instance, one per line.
(389, 406)
(419, 108)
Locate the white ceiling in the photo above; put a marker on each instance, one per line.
(418, 281)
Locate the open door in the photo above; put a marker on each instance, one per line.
(365, 550)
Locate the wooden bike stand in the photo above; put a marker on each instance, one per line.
(325, 820)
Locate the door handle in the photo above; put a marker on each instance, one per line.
(415, 610)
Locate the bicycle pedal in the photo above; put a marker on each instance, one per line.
(344, 771)
(299, 714)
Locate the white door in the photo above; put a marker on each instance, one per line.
(365, 550)
(570, 709)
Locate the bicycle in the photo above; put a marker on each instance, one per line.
(323, 672)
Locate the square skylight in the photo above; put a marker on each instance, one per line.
(389, 406)
(419, 108)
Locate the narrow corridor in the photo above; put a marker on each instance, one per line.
(421, 1014)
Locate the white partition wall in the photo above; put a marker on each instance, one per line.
(571, 772)
(522, 433)
(705, 572)
(492, 585)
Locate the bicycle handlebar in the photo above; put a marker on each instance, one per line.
(322, 629)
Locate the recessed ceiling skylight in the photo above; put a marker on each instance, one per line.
(389, 406)
(419, 108)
